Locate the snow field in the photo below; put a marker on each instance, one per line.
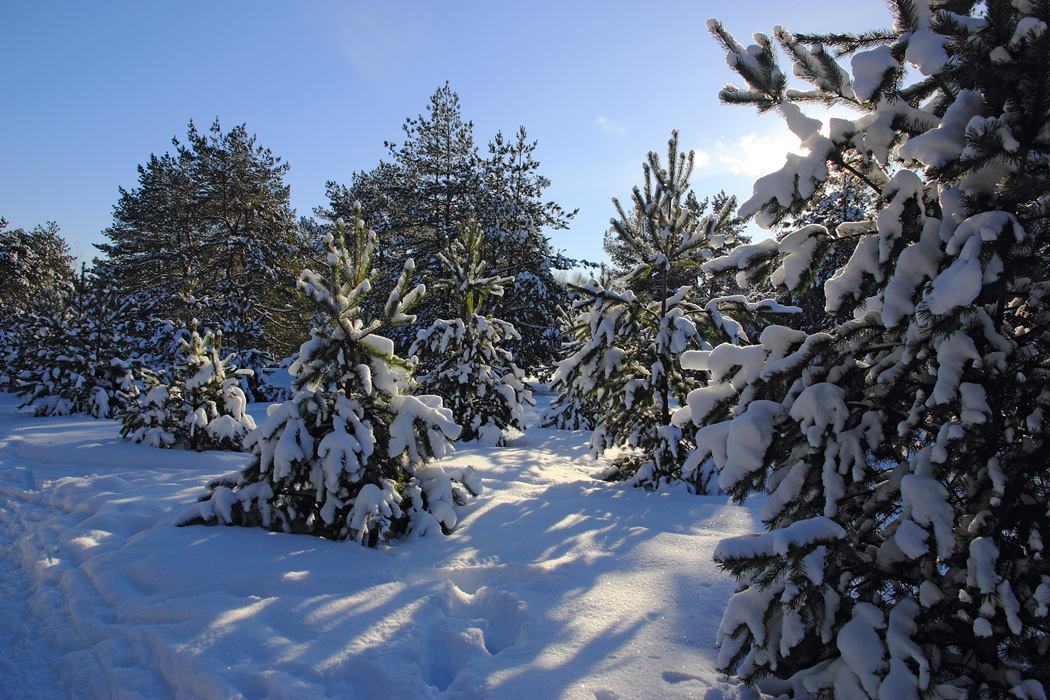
(554, 585)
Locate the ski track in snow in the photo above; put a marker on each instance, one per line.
(554, 585)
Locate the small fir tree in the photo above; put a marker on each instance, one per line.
(473, 374)
(202, 407)
(347, 456)
(904, 449)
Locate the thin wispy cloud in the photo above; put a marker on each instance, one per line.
(609, 127)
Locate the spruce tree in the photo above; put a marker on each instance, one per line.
(904, 449)
(198, 405)
(473, 372)
(347, 456)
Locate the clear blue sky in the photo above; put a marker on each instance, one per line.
(90, 89)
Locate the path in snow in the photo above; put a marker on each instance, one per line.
(554, 585)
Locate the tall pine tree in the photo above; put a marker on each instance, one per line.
(436, 182)
(209, 222)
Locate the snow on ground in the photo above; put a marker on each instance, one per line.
(554, 585)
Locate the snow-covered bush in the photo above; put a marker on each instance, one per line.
(75, 353)
(904, 450)
(347, 456)
(198, 405)
(475, 377)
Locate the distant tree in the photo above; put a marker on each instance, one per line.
(435, 183)
(77, 358)
(31, 262)
(346, 457)
(576, 406)
(209, 221)
(514, 216)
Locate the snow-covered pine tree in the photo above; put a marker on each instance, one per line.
(842, 199)
(199, 405)
(347, 456)
(575, 406)
(473, 373)
(25, 329)
(35, 266)
(905, 449)
(630, 362)
(513, 215)
(78, 359)
(685, 271)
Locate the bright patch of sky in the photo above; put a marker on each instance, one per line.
(92, 89)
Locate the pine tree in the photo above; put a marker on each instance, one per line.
(211, 221)
(903, 449)
(514, 216)
(26, 331)
(31, 262)
(574, 407)
(243, 330)
(631, 359)
(685, 271)
(198, 405)
(78, 355)
(473, 372)
(842, 200)
(347, 456)
(437, 182)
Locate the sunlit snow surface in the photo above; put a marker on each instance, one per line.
(554, 585)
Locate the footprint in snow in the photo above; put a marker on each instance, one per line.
(475, 626)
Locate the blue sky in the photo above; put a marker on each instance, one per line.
(91, 89)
